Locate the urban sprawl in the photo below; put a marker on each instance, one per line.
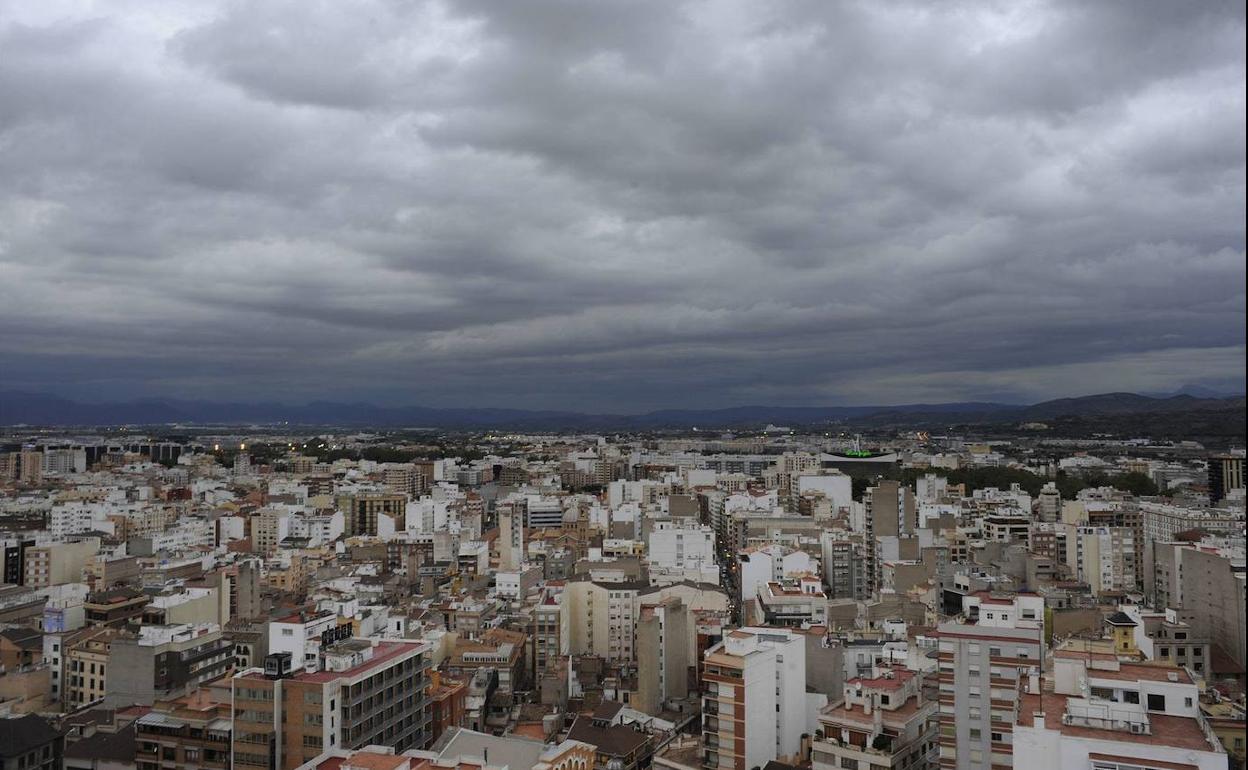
(338, 599)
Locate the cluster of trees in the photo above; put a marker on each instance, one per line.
(323, 451)
(1068, 484)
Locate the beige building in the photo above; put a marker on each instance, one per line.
(59, 563)
(86, 667)
(663, 638)
(361, 512)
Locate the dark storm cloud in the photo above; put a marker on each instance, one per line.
(621, 205)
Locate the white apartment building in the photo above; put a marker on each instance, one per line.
(65, 461)
(764, 564)
(755, 707)
(1105, 714)
(836, 486)
(1102, 557)
(302, 636)
(78, 516)
(680, 544)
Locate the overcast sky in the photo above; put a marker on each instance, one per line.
(619, 206)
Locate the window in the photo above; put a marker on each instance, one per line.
(1156, 702)
(1130, 696)
(975, 734)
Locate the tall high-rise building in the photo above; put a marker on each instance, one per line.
(754, 706)
(31, 469)
(512, 520)
(1226, 474)
(891, 512)
(1049, 503)
(662, 654)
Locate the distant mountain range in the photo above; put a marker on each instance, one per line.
(21, 408)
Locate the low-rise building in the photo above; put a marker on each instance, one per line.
(882, 721)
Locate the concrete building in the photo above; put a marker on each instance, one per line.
(365, 694)
(58, 563)
(30, 742)
(844, 565)
(1106, 714)
(86, 667)
(363, 513)
(1102, 557)
(759, 565)
(754, 707)
(984, 665)
(602, 618)
(890, 512)
(663, 636)
(880, 721)
(1048, 504)
(188, 733)
(792, 602)
(512, 514)
(1226, 475)
(303, 636)
(165, 662)
(547, 632)
(680, 544)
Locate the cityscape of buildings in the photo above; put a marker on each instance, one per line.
(778, 598)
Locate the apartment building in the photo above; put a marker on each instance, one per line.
(754, 706)
(1226, 475)
(58, 563)
(763, 564)
(188, 733)
(844, 570)
(1102, 557)
(547, 632)
(1206, 580)
(663, 633)
(86, 667)
(1106, 714)
(680, 543)
(363, 694)
(364, 511)
(792, 602)
(985, 662)
(303, 635)
(882, 721)
(166, 661)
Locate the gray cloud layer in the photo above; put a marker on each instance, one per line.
(621, 205)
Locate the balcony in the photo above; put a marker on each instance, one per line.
(1100, 715)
